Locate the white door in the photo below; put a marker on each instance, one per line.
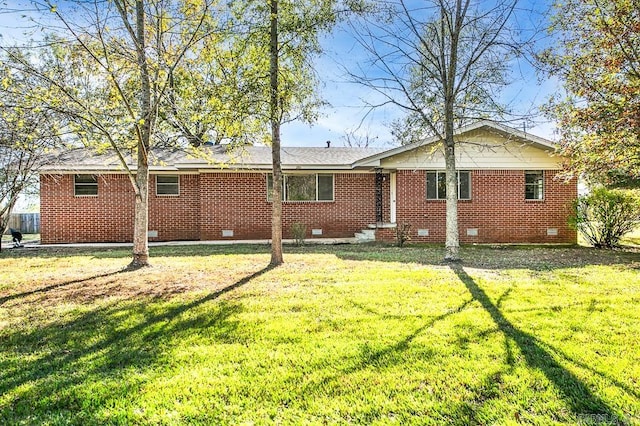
(392, 197)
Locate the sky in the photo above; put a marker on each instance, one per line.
(345, 111)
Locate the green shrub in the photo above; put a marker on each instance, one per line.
(605, 215)
(299, 233)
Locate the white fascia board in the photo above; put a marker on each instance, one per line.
(101, 169)
(286, 171)
(367, 162)
(82, 171)
(374, 160)
(316, 167)
(527, 137)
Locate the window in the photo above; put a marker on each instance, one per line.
(300, 188)
(167, 185)
(85, 185)
(325, 187)
(304, 187)
(534, 185)
(437, 185)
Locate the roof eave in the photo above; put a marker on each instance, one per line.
(366, 163)
(195, 167)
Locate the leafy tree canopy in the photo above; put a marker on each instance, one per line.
(27, 133)
(597, 57)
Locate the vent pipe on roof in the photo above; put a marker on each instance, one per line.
(328, 144)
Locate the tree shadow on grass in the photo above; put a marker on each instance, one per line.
(372, 357)
(385, 356)
(616, 382)
(380, 358)
(580, 399)
(106, 252)
(538, 258)
(47, 371)
(56, 286)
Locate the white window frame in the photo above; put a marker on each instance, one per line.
(444, 173)
(165, 184)
(77, 184)
(269, 179)
(541, 187)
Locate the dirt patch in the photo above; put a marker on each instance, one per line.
(540, 257)
(157, 282)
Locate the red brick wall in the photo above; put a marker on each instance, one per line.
(66, 218)
(208, 204)
(497, 208)
(235, 202)
(175, 217)
(238, 202)
(212, 202)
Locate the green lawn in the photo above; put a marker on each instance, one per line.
(632, 238)
(338, 335)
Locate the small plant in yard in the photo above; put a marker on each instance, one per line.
(604, 216)
(402, 234)
(299, 232)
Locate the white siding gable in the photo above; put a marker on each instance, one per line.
(480, 149)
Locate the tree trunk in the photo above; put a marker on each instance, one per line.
(452, 240)
(276, 214)
(452, 243)
(6, 213)
(141, 214)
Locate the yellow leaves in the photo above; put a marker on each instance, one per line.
(6, 82)
(190, 7)
(54, 8)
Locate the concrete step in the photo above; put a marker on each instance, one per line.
(363, 237)
(369, 232)
(382, 225)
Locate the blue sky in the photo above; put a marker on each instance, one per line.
(527, 92)
(346, 111)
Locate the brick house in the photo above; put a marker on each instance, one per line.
(509, 192)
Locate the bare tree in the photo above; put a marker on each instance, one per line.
(355, 139)
(442, 63)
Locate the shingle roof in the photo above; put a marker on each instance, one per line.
(216, 157)
(259, 157)
(291, 157)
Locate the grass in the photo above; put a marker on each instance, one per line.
(338, 335)
(632, 238)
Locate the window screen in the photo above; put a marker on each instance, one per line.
(167, 185)
(85, 185)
